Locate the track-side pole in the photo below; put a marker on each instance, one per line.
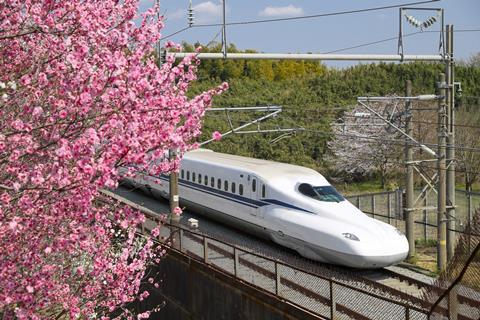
(441, 167)
(409, 195)
(450, 145)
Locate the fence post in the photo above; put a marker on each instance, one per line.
(205, 250)
(452, 304)
(400, 202)
(358, 202)
(397, 201)
(469, 222)
(389, 207)
(469, 201)
(373, 205)
(277, 280)
(180, 239)
(333, 304)
(425, 235)
(407, 313)
(235, 262)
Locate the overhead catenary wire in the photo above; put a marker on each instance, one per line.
(459, 125)
(420, 165)
(385, 140)
(399, 142)
(174, 33)
(340, 109)
(320, 15)
(392, 38)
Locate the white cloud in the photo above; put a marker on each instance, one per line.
(204, 12)
(207, 11)
(287, 11)
(177, 14)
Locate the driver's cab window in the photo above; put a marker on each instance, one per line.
(320, 193)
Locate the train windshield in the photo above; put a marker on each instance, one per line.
(321, 193)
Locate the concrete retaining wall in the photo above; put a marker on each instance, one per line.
(193, 290)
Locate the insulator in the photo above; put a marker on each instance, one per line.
(163, 56)
(191, 17)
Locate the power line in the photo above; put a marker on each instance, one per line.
(372, 43)
(175, 33)
(395, 38)
(390, 141)
(339, 109)
(420, 165)
(317, 15)
(460, 125)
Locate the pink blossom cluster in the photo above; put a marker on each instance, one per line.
(82, 96)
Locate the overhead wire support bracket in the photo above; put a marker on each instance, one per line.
(422, 25)
(272, 111)
(364, 100)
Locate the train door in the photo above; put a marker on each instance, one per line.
(256, 195)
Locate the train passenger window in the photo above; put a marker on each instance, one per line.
(225, 185)
(188, 175)
(193, 176)
(212, 182)
(240, 189)
(263, 191)
(206, 180)
(182, 174)
(321, 193)
(219, 183)
(254, 185)
(200, 178)
(233, 187)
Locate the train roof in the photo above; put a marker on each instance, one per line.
(263, 168)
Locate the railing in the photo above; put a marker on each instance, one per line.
(323, 296)
(326, 297)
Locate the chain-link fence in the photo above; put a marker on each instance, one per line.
(324, 296)
(388, 207)
(460, 297)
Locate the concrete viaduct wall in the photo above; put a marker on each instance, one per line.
(193, 290)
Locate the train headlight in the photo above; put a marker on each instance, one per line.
(350, 236)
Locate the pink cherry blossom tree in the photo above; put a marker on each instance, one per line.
(364, 144)
(80, 96)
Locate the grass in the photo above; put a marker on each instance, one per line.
(475, 186)
(425, 258)
(359, 187)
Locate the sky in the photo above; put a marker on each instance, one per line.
(325, 34)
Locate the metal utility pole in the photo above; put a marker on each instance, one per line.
(174, 198)
(159, 44)
(224, 32)
(441, 167)
(409, 194)
(450, 75)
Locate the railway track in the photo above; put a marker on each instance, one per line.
(383, 282)
(378, 280)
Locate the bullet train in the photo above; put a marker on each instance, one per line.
(291, 205)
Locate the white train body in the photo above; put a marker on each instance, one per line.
(275, 200)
